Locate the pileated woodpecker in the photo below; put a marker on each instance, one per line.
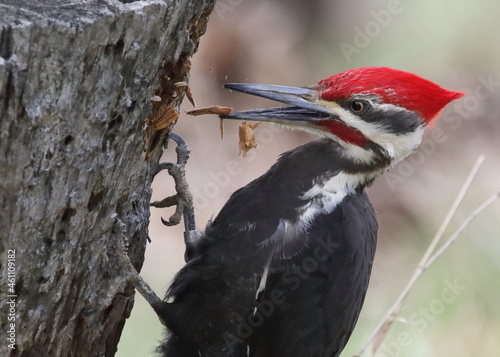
(283, 269)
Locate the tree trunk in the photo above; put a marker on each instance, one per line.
(79, 143)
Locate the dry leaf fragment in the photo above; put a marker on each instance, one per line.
(215, 109)
(247, 137)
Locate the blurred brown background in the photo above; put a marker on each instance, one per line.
(454, 309)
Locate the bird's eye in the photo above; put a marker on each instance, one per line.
(357, 106)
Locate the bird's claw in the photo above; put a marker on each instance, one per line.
(175, 200)
(163, 166)
(183, 200)
(174, 219)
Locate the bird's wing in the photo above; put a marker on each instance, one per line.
(310, 307)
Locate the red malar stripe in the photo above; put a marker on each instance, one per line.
(343, 131)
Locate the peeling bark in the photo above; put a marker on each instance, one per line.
(78, 154)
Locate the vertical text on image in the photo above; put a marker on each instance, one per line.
(11, 298)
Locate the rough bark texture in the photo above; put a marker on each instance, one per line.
(76, 77)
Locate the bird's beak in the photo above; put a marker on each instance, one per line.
(301, 111)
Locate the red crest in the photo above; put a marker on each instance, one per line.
(392, 86)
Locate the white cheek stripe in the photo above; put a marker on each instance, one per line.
(397, 146)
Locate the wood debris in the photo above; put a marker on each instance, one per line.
(247, 140)
(167, 115)
(214, 109)
(189, 95)
(247, 137)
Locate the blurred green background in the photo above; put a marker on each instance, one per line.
(454, 309)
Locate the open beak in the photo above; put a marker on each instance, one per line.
(301, 110)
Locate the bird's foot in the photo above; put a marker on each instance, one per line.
(128, 275)
(183, 199)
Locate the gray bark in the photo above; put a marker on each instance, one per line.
(78, 149)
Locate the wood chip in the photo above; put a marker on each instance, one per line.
(215, 109)
(165, 117)
(189, 95)
(247, 137)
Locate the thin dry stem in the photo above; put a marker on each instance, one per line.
(452, 210)
(460, 229)
(382, 328)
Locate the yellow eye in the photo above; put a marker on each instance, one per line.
(357, 106)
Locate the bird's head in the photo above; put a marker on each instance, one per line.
(374, 112)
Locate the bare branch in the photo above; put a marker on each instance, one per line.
(384, 325)
(460, 229)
